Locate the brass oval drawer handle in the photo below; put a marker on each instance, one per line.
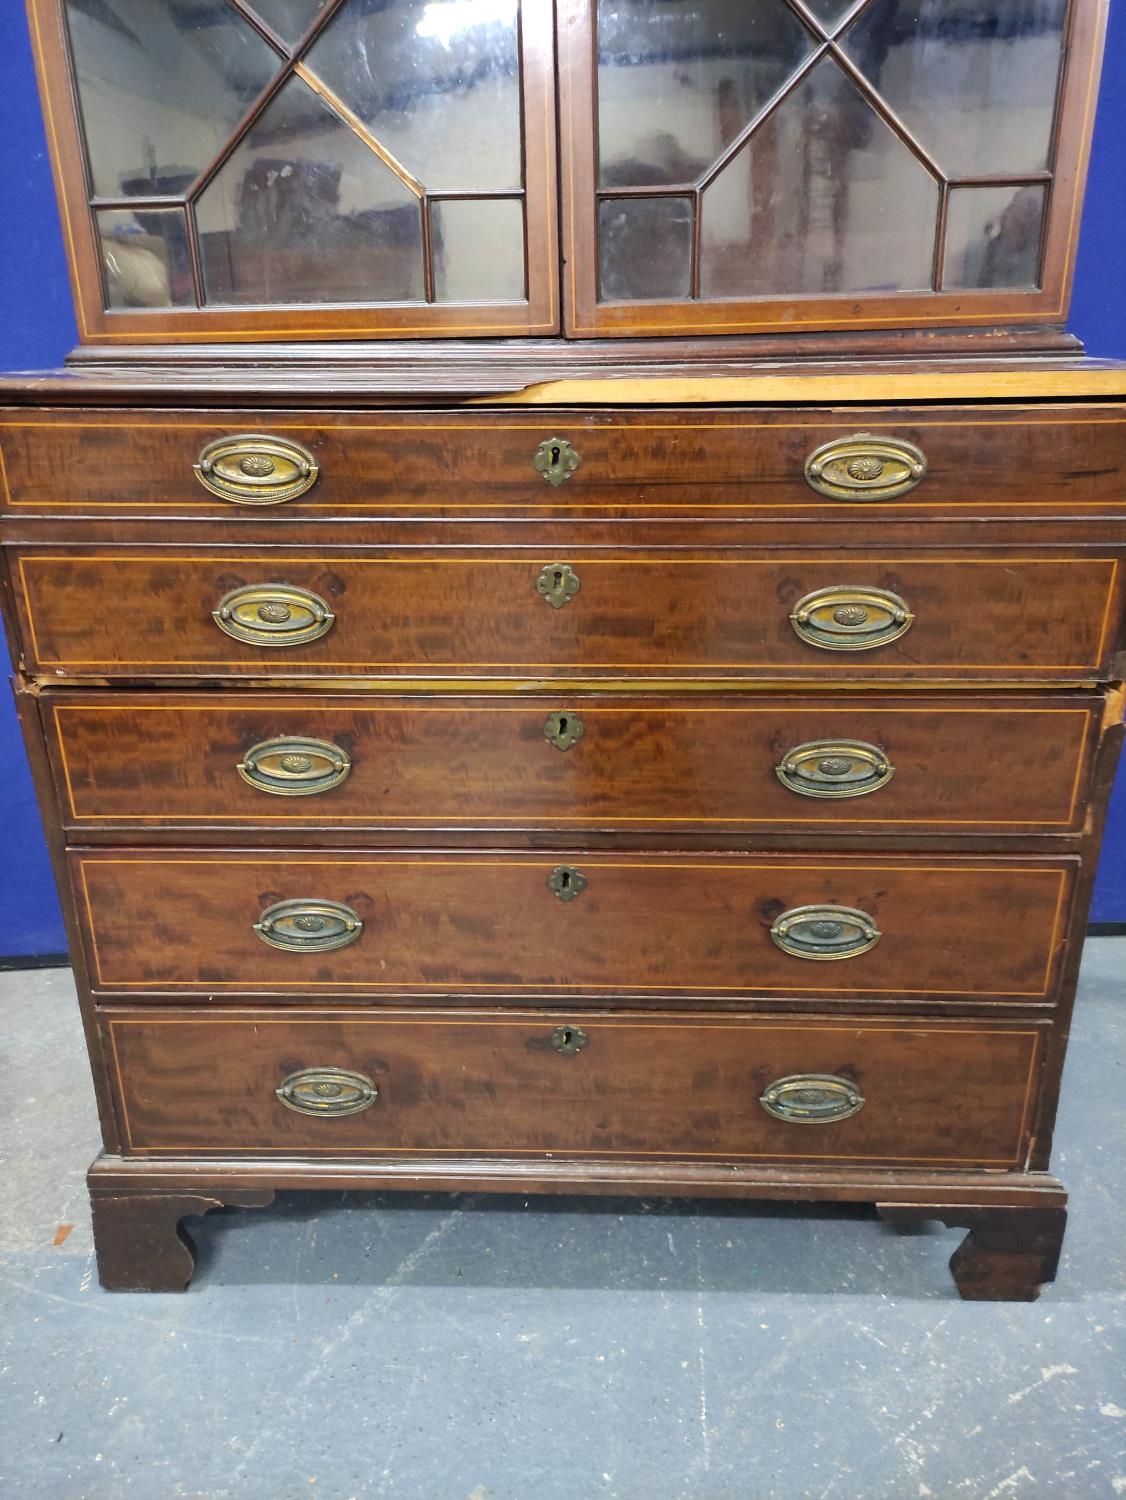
(566, 882)
(568, 1041)
(865, 467)
(327, 1091)
(844, 618)
(558, 583)
(834, 769)
(825, 932)
(253, 469)
(812, 1099)
(563, 730)
(309, 926)
(273, 614)
(292, 766)
(556, 460)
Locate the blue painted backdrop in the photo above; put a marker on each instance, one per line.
(37, 330)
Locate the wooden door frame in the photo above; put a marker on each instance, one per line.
(538, 315)
(584, 316)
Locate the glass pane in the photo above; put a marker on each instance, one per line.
(823, 198)
(976, 84)
(993, 237)
(829, 12)
(644, 248)
(678, 82)
(289, 19)
(145, 259)
(478, 250)
(162, 84)
(304, 211)
(436, 83)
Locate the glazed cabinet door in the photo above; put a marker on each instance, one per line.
(734, 166)
(304, 168)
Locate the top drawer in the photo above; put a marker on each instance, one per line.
(1037, 461)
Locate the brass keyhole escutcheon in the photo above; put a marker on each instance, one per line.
(566, 882)
(569, 1040)
(556, 460)
(558, 583)
(563, 730)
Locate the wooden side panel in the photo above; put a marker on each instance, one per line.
(653, 1086)
(152, 761)
(686, 925)
(984, 616)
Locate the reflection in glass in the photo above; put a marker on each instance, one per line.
(976, 84)
(829, 12)
(289, 19)
(823, 198)
(162, 83)
(145, 260)
(478, 250)
(993, 237)
(436, 82)
(644, 248)
(678, 82)
(304, 211)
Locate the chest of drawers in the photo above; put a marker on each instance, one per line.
(571, 660)
(694, 831)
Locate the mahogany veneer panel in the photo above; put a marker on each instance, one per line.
(985, 615)
(443, 924)
(133, 761)
(658, 1085)
(1022, 460)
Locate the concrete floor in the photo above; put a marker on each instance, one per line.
(479, 1348)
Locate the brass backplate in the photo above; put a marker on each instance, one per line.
(273, 614)
(327, 1092)
(309, 926)
(825, 932)
(850, 617)
(833, 769)
(256, 469)
(293, 766)
(812, 1099)
(865, 467)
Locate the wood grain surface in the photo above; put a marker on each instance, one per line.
(994, 615)
(456, 925)
(659, 1085)
(1011, 765)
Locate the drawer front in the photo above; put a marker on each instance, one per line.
(303, 762)
(648, 1086)
(600, 925)
(1035, 461)
(867, 618)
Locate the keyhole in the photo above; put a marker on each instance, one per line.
(555, 455)
(558, 577)
(566, 1036)
(562, 723)
(565, 880)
